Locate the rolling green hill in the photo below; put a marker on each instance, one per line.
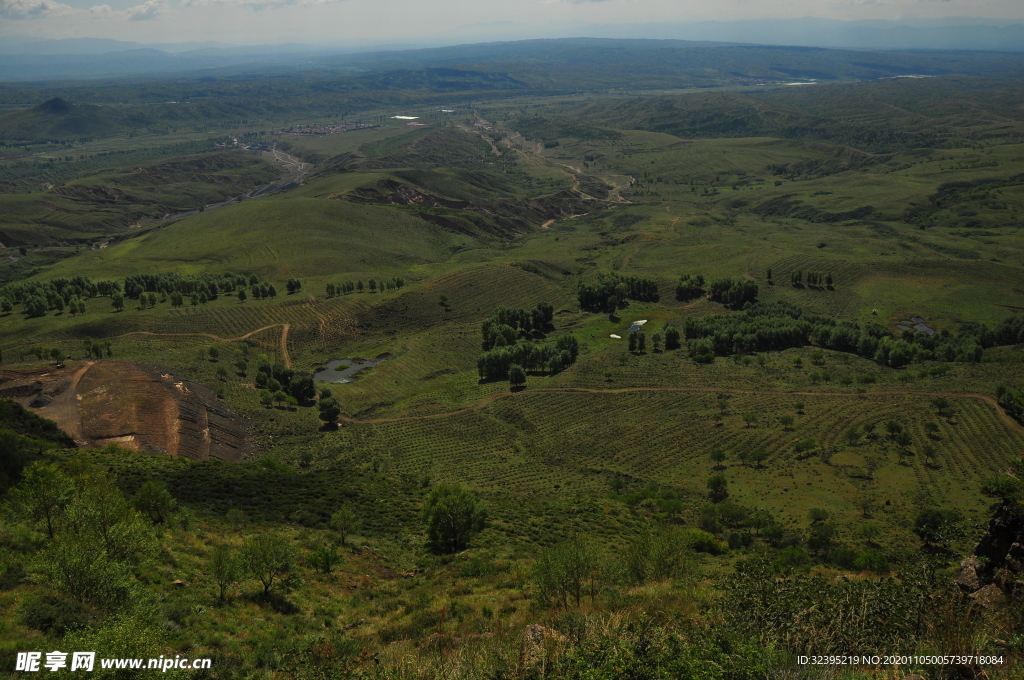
(793, 454)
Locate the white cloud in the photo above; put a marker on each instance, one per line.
(32, 9)
(258, 4)
(150, 9)
(22, 10)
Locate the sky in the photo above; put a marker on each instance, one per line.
(367, 22)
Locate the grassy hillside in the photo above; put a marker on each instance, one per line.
(754, 493)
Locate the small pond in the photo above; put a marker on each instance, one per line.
(343, 370)
(916, 323)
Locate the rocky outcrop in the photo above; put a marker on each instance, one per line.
(998, 560)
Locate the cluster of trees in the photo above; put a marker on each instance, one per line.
(95, 535)
(347, 287)
(574, 569)
(611, 291)
(729, 292)
(733, 293)
(271, 560)
(690, 286)
(506, 325)
(59, 294)
(779, 325)
(293, 286)
(814, 279)
(281, 385)
(498, 363)
(739, 526)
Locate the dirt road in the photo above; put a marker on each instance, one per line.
(63, 410)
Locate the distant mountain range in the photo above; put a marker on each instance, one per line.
(85, 58)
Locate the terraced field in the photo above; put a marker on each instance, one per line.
(553, 444)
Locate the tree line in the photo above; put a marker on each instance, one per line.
(39, 297)
(814, 279)
(193, 285)
(335, 289)
(779, 325)
(637, 340)
(70, 294)
(611, 292)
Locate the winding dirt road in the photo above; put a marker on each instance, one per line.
(64, 407)
(285, 328)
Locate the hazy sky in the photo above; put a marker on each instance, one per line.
(361, 22)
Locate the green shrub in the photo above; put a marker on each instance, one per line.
(54, 615)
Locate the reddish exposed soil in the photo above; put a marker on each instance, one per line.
(135, 405)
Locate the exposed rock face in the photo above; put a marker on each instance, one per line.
(998, 559)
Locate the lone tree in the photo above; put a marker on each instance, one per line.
(718, 457)
(329, 410)
(268, 558)
(516, 376)
(938, 527)
(155, 500)
(225, 569)
(42, 495)
(758, 456)
(452, 515)
(718, 487)
(344, 521)
(671, 337)
(566, 572)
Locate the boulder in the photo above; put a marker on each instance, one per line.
(40, 401)
(968, 578)
(989, 597)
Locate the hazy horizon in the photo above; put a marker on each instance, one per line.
(392, 22)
